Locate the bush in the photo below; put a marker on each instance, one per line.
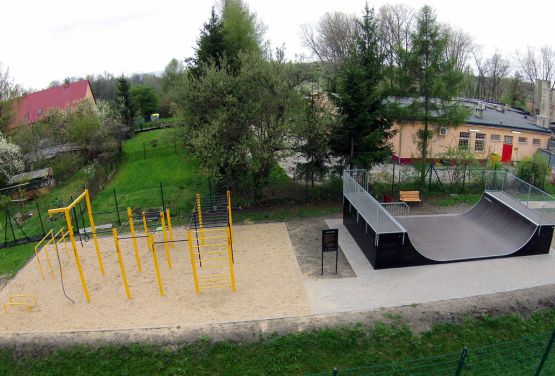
(533, 170)
(5, 201)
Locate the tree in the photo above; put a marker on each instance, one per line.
(125, 105)
(144, 99)
(8, 93)
(242, 32)
(173, 73)
(497, 69)
(239, 122)
(210, 45)
(311, 135)
(433, 82)
(514, 95)
(332, 38)
(362, 137)
(11, 162)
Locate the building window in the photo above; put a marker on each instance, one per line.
(522, 140)
(508, 140)
(495, 138)
(480, 142)
(464, 138)
(536, 141)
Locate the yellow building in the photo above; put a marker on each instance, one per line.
(493, 129)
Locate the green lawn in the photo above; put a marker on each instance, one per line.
(137, 181)
(14, 258)
(313, 351)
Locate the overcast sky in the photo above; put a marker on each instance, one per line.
(42, 41)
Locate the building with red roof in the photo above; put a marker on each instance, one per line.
(32, 107)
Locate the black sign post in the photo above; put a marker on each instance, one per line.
(330, 243)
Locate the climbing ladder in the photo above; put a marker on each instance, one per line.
(210, 244)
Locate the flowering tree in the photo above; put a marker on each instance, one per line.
(11, 162)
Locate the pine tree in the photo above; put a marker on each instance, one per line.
(362, 137)
(432, 80)
(125, 106)
(210, 45)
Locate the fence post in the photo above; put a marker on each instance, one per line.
(334, 372)
(40, 218)
(430, 179)
(462, 359)
(144, 148)
(546, 353)
(117, 207)
(162, 195)
(464, 177)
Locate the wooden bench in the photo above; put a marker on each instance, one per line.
(410, 196)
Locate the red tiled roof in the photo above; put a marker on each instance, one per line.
(30, 107)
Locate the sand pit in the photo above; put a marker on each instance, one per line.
(268, 279)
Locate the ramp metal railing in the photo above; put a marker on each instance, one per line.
(399, 210)
(355, 189)
(532, 197)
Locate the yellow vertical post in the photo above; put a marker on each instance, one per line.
(170, 229)
(121, 266)
(135, 246)
(229, 214)
(199, 214)
(93, 230)
(77, 259)
(57, 252)
(48, 256)
(231, 269)
(156, 267)
(193, 260)
(146, 231)
(64, 233)
(166, 247)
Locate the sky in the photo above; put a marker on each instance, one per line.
(42, 41)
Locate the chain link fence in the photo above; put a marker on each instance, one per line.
(526, 356)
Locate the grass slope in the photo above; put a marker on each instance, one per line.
(307, 352)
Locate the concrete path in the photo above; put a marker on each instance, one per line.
(373, 289)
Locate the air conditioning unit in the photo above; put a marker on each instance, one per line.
(443, 131)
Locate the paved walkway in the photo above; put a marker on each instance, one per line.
(373, 289)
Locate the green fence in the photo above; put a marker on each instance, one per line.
(526, 356)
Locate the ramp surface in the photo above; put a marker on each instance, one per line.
(497, 226)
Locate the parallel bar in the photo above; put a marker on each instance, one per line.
(166, 246)
(193, 263)
(77, 259)
(152, 247)
(135, 246)
(121, 266)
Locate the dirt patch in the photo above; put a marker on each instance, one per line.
(306, 236)
(268, 281)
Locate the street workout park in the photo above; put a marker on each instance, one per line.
(151, 272)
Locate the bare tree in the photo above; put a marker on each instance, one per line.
(6, 84)
(459, 46)
(497, 68)
(395, 26)
(481, 69)
(333, 36)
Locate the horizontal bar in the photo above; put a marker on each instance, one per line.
(215, 287)
(210, 245)
(212, 237)
(210, 252)
(212, 229)
(213, 275)
(212, 259)
(213, 266)
(63, 210)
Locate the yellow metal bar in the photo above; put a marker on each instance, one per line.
(121, 266)
(193, 263)
(64, 240)
(229, 255)
(214, 229)
(146, 231)
(156, 267)
(55, 243)
(211, 252)
(166, 246)
(199, 213)
(213, 237)
(77, 259)
(170, 229)
(37, 253)
(229, 214)
(213, 275)
(25, 296)
(213, 259)
(135, 246)
(211, 245)
(213, 266)
(215, 287)
(93, 230)
(48, 255)
(67, 208)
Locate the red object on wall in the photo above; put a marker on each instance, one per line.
(507, 153)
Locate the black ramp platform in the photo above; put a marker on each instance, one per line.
(498, 226)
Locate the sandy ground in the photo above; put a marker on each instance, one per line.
(268, 281)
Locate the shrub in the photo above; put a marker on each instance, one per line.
(533, 170)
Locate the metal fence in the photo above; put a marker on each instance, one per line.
(355, 189)
(526, 356)
(548, 155)
(534, 198)
(399, 210)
